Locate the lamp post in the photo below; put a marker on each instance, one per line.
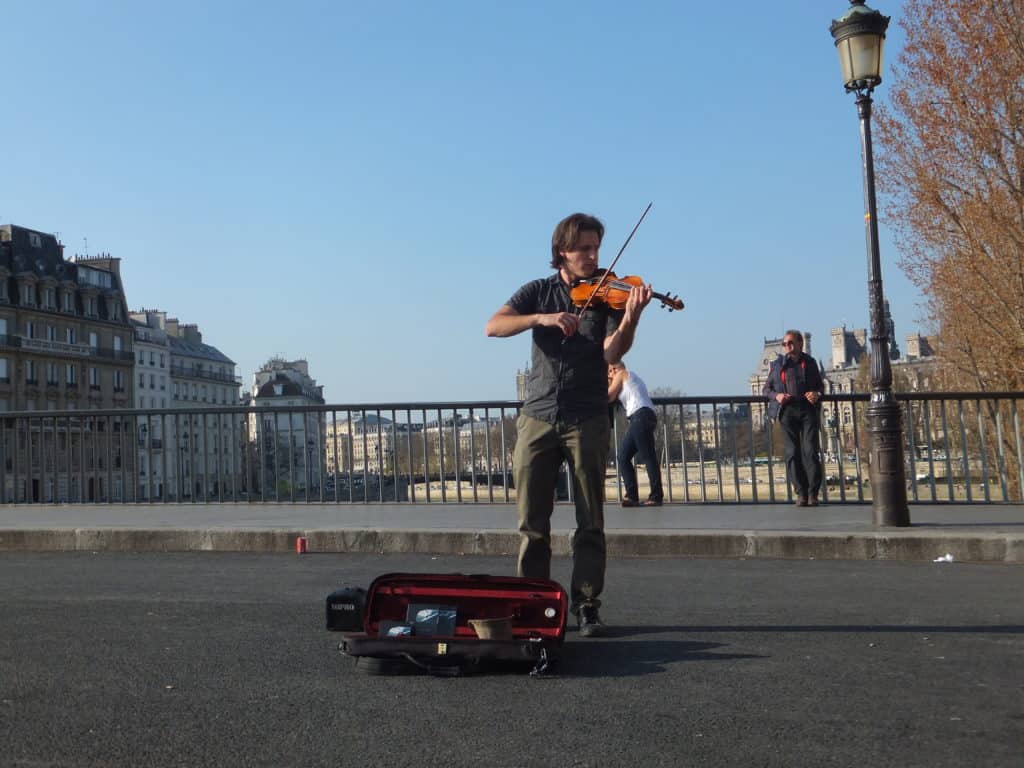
(859, 38)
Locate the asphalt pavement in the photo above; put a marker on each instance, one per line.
(222, 659)
(962, 532)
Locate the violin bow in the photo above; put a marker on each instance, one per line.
(615, 261)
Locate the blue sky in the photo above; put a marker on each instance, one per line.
(364, 184)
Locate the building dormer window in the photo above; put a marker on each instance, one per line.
(34, 240)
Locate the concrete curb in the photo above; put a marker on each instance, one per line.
(895, 544)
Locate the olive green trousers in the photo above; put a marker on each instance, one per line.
(540, 450)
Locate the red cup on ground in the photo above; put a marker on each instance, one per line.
(300, 545)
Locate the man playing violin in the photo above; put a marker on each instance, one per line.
(564, 416)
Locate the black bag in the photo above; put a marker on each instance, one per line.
(450, 624)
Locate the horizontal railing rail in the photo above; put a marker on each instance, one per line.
(960, 447)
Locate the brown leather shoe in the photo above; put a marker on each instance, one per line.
(801, 501)
(812, 501)
(628, 502)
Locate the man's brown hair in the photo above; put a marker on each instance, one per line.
(567, 234)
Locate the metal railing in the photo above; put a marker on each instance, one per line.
(960, 447)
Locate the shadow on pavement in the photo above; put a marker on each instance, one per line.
(608, 657)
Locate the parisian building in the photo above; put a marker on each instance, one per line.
(289, 452)
(190, 447)
(65, 345)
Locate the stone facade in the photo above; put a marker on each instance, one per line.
(65, 345)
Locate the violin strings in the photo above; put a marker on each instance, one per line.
(615, 261)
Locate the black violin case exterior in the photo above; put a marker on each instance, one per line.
(450, 624)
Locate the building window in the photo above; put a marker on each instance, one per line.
(94, 377)
(142, 381)
(30, 372)
(28, 294)
(69, 335)
(142, 357)
(202, 395)
(69, 301)
(69, 375)
(90, 306)
(161, 359)
(5, 375)
(52, 375)
(94, 340)
(152, 381)
(51, 333)
(50, 298)
(195, 394)
(117, 343)
(34, 240)
(119, 381)
(30, 329)
(175, 397)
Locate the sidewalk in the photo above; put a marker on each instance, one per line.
(976, 533)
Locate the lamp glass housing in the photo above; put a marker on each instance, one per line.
(860, 58)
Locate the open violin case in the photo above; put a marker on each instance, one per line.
(450, 624)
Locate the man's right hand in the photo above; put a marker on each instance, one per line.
(565, 321)
(783, 397)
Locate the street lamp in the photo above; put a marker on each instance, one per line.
(859, 38)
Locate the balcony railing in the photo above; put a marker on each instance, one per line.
(961, 447)
(202, 373)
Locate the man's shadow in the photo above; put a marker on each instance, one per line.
(613, 655)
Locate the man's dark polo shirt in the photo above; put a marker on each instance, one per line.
(568, 381)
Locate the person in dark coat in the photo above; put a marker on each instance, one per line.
(795, 387)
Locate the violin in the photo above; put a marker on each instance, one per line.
(607, 288)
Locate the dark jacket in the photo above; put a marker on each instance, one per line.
(797, 377)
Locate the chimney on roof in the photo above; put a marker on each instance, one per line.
(191, 334)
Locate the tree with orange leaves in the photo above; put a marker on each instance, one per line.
(951, 167)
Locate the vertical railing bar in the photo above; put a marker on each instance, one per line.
(488, 464)
(716, 422)
(334, 465)
(380, 459)
(948, 450)
(1000, 458)
(147, 452)
(771, 460)
(291, 456)
(700, 456)
(735, 454)
(320, 416)
(911, 449)
(667, 442)
(440, 458)
(3, 459)
(682, 453)
(964, 451)
(504, 457)
(472, 453)
(457, 450)
(426, 455)
(753, 462)
(110, 469)
(857, 452)
(981, 448)
(926, 406)
(1020, 453)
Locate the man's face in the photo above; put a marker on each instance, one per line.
(793, 346)
(581, 262)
